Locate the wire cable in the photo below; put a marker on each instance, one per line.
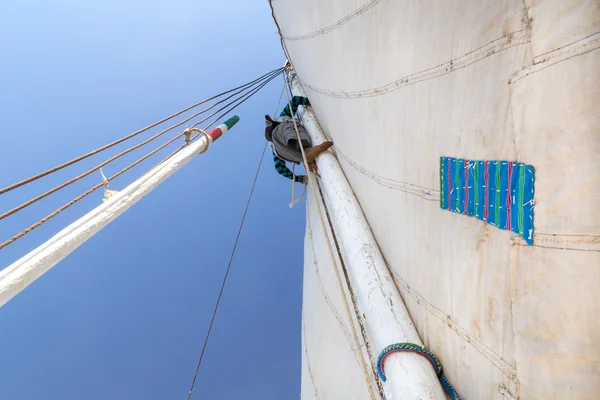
(227, 273)
(99, 185)
(194, 137)
(129, 150)
(206, 128)
(109, 145)
(83, 195)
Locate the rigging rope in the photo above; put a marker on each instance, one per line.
(96, 187)
(227, 272)
(83, 195)
(221, 116)
(252, 93)
(215, 120)
(311, 182)
(233, 252)
(97, 167)
(109, 145)
(279, 102)
(294, 199)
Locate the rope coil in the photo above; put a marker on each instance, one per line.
(422, 351)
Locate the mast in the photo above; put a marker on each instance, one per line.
(27, 269)
(386, 318)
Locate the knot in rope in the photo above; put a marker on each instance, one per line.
(188, 136)
(422, 351)
(107, 193)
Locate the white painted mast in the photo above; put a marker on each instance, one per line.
(387, 321)
(27, 269)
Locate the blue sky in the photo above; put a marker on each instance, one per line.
(125, 315)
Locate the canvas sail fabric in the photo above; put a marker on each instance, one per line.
(406, 83)
(331, 368)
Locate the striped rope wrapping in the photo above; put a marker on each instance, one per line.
(498, 192)
(422, 351)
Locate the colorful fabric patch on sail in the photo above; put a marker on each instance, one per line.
(497, 192)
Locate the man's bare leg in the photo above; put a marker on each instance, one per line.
(313, 152)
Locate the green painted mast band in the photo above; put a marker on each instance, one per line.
(232, 121)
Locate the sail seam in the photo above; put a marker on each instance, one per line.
(496, 46)
(328, 300)
(558, 248)
(504, 392)
(428, 194)
(564, 242)
(506, 368)
(545, 60)
(336, 24)
(310, 372)
(496, 359)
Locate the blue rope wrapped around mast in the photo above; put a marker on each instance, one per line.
(422, 351)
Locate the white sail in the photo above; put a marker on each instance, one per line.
(397, 85)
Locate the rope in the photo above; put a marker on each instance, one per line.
(227, 271)
(97, 167)
(279, 102)
(259, 86)
(217, 119)
(116, 142)
(294, 200)
(250, 94)
(239, 102)
(107, 192)
(311, 182)
(194, 137)
(279, 30)
(188, 138)
(422, 351)
(96, 187)
(83, 195)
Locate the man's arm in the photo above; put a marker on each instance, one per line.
(284, 171)
(296, 101)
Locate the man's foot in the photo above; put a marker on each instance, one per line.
(313, 152)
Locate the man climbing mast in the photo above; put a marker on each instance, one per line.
(281, 135)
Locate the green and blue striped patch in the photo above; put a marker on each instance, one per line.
(498, 192)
